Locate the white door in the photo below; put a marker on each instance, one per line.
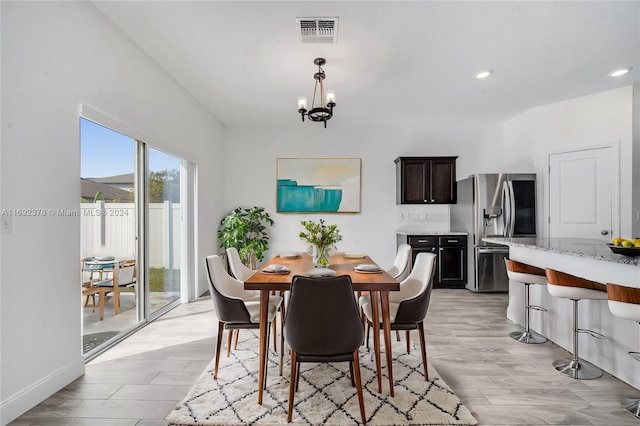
(582, 194)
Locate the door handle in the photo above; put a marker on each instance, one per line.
(604, 232)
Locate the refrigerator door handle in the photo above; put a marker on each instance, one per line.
(506, 210)
(512, 209)
(509, 209)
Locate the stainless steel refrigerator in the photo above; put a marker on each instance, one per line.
(491, 205)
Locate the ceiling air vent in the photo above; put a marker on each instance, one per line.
(318, 30)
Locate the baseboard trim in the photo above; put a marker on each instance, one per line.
(21, 402)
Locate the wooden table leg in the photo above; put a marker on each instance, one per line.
(116, 290)
(375, 319)
(384, 296)
(102, 297)
(264, 343)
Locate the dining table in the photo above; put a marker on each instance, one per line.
(107, 271)
(378, 284)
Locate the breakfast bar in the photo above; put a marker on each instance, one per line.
(593, 260)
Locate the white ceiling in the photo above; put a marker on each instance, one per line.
(395, 62)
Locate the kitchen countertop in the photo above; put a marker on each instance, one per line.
(580, 247)
(422, 232)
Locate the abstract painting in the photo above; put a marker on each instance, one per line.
(318, 185)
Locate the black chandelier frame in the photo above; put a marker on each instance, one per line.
(319, 113)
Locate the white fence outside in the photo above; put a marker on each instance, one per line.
(109, 229)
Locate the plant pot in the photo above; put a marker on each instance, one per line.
(321, 256)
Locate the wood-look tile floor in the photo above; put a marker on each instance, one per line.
(501, 381)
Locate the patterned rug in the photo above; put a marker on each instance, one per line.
(325, 394)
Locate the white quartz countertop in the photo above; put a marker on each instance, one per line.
(581, 247)
(423, 232)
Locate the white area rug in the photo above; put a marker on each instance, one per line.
(325, 394)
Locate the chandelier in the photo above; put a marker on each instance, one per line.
(324, 111)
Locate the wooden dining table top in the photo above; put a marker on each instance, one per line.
(339, 263)
(377, 284)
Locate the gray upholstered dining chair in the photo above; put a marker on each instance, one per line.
(323, 325)
(233, 312)
(241, 272)
(408, 307)
(238, 269)
(399, 271)
(402, 263)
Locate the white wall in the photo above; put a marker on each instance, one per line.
(636, 162)
(251, 172)
(55, 57)
(597, 119)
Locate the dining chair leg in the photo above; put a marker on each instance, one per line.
(358, 380)
(218, 347)
(364, 318)
(292, 384)
(366, 339)
(266, 367)
(423, 348)
(398, 335)
(275, 336)
(282, 316)
(408, 342)
(229, 341)
(353, 383)
(235, 346)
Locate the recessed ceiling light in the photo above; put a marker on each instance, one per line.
(619, 72)
(483, 74)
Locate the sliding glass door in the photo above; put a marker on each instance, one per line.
(108, 244)
(163, 181)
(131, 221)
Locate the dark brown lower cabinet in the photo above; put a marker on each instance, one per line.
(451, 264)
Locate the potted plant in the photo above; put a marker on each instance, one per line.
(245, 229)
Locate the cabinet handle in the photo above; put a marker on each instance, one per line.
(452, 241)
(433, 201)
(423, 241)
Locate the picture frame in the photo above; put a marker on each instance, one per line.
(318, 185)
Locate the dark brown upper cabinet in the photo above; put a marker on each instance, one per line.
(425, 180)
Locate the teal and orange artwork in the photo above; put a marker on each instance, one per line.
(318, 185)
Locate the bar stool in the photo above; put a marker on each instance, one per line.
(624, 302)
(575, 288)
(527, 275)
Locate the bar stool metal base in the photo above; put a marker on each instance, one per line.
(577, 369)
(527, 337)
(632, 405)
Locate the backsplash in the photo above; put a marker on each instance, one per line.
(422, 217)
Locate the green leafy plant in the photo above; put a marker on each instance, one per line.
(246, 230)
(322, 239)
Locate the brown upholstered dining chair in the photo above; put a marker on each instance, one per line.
(408, 307)
(323, 325)
(232, 311)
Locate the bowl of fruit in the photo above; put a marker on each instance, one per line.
(625, 247)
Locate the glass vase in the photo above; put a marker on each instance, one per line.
(321, 256)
